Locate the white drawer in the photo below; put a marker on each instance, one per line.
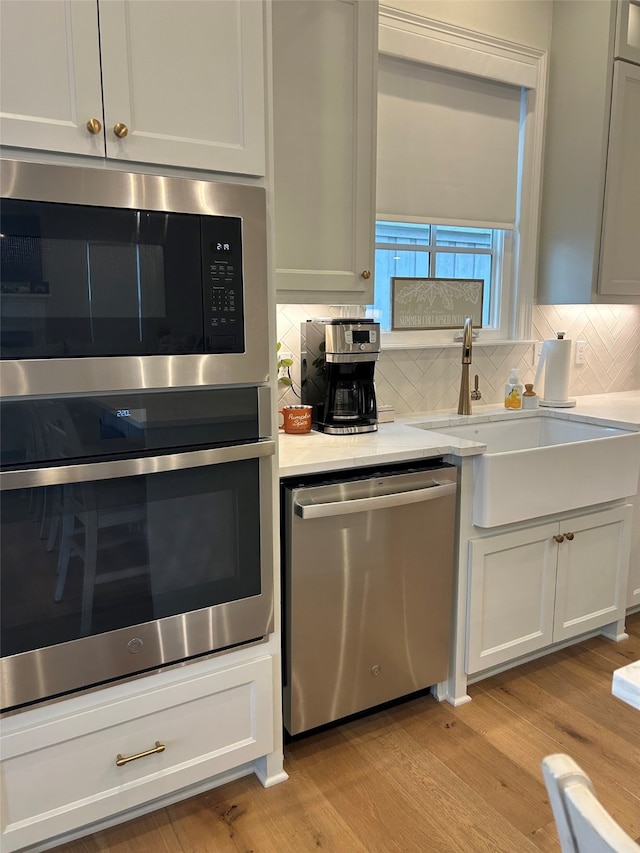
(62, 774)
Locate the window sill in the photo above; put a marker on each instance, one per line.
(396, 344)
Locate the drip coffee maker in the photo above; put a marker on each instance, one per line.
(338, 362)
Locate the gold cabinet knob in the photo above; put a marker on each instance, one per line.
(120, 130)
(569, 536)
(94, 126)
(559, 538)
(366, 274)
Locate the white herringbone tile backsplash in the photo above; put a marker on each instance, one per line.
(425, 380)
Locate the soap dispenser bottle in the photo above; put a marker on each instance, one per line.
(513, 391)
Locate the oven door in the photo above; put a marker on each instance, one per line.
(118, 567)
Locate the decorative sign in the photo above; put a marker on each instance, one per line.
(435, 303)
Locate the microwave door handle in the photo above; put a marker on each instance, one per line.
(30, 478)
(333, 508)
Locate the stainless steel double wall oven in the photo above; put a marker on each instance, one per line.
(136, 482)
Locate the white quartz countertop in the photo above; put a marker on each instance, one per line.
(315, 452)
(626, 684)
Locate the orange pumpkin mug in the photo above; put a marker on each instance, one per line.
(296, 419)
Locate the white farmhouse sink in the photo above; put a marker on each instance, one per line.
(527, 433)
(537, 466)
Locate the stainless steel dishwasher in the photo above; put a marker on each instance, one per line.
(367, 588)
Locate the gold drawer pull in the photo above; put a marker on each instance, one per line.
(121, 760)
(569, 536)
(559, 538)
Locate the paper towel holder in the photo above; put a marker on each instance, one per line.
(562, 361)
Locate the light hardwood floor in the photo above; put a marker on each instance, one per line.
(424, 776)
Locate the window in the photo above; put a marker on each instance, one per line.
(407, 249)
(460, 119)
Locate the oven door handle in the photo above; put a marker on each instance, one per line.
(29, 478)
(377, 502)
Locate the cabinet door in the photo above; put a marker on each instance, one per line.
(511, 595)
(186, 79)
(324, 100)
(620, 252)
(628, 30)
(593, 563)
(50, 76)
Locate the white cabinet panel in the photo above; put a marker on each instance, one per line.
(50, 75)
(628, 30)
(593, 563)
(187, 79)
(511, 596)
(324, 81)
(620, 257)
(61, 774)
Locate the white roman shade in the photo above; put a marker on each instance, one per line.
(448, 146)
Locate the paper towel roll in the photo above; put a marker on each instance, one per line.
(556, 359)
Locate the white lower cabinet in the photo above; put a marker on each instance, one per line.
(541, 585)
(59, 770)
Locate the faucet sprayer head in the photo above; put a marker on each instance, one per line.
(467, 341)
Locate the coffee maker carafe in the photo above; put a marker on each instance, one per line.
(338, 363)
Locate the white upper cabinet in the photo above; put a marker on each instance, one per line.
(628, 30)
(324, 97)
(620, 253)
(50, 83)
(187, 80)
(182, 82)
(586, 251)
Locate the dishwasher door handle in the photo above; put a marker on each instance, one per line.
(377, 502)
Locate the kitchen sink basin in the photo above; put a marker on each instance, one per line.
(542, 465)
(527, 433)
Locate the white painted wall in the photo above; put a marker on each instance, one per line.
(523, 21)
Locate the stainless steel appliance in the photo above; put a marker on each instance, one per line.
(368, 588)
(338, 363)
(136, 474)
(112, 280)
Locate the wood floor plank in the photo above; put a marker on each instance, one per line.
(454, 817)
(487, 769)
(546, 838)
(572, 681)
(287, 819)
(620, 654)
(527, 744)
(356, 777)
(600, 752)
(151, 833)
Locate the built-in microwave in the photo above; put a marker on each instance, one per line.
(112, 280)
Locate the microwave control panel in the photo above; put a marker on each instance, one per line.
(223, 291)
